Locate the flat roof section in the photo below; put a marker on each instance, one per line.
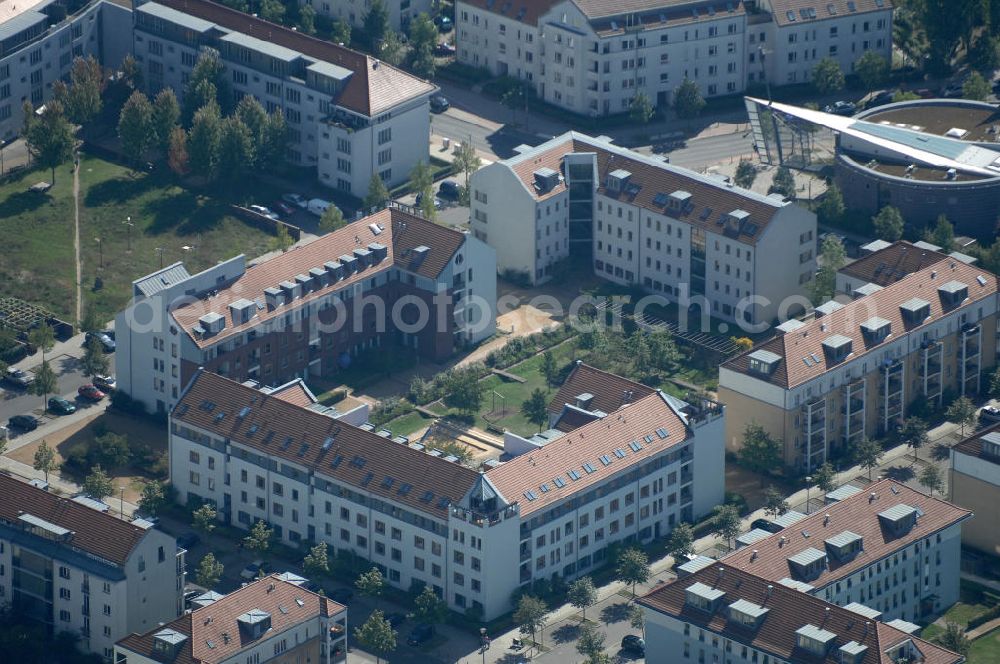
(938, 119)
(11, 8)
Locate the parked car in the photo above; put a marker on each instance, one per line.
(952, 91)
(634, 644)
(61, 406)
(90, 393)
(283, 208)
(438, 204)
(341, 595)
(444, 49)
(252, 571)
(105, 383)
(925, 93)
(449, 189)
(318, 206)
(395, 619)
(190, 595)
(188, 540)
(23, 422)
(842, 108)
(18, 377)
(439, 104)
(989, 415)
(443, 23)
(764, 524)
(106, 340)
(421, 634)
(266, 211)
(881, 99)
(298, 200)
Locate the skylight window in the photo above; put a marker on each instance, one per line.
(530, 495)
(358, 461)
(590, 469)
(244, 411)
(443, 501)
(387, 482)
(559, 482)
(337, 460)
(620, 453)
(605, 459)
(252, 430)
(404, 488)
(367, 479)
(544, 488)
(427, 497)
(573, 475)
(662, 433)
(648, 438)
(635, 446)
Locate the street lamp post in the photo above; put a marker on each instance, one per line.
(809, 480)
(129, 224)
(100, 251)
(484, 640)
(160, 251)
(3, 144)
(122, 501)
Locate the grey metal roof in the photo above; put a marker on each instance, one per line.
(837, 341)
(796, 585)
(254, 616)
(829, 307)
(897, 512)
(47, 526)
(259, 45)
(170, 636)
(18, 24)
(701, 590)
(904, 626)
(876, 245)
(816, 633)
(755, 535)
(330, 70)
(748, 608)
(992, 437)
(853, 648)
(697, 564)
(941, 146)
(963, 258)
(807, 556)
(920, 244)
(953, 286)
(789, 518)
(874, 324)
(161, 279)
(765, 356)
(842, 493)
(867, 289)
(914, 304)
(843, 539)
(862, 610)
(176, 17)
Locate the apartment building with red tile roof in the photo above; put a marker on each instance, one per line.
(974, 484)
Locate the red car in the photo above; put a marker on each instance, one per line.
(90, 393)
(284, 209)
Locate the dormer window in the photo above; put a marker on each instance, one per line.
(763, 362)
(679, 200)
(837, 347)
(953, 293)
(703, 597)
(254, 623)
(991, 444)
(898, 519)
(915, 311)
(808, 564)
(747, 613)
(875, 330)
(814, 639)
(617, 180)
(845, 545)
(852, 652)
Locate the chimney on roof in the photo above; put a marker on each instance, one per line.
(270, 587)
(753, 555)
(781, 541)
(826, 519)
(770, 589)
(872, 497)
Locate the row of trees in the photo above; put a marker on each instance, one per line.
(871, 69)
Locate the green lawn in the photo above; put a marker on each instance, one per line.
(37, 261)
(986, 649)
(165, 216)
(960, 613)
(404, 425)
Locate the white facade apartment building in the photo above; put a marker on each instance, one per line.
(301, 313)
(76, 569)
(673, 232)
(890, 549)
(353, 12)
(349, 115)
(592, 56)
(721, 614)
(800, 33)
(425, 519)
(38, 42)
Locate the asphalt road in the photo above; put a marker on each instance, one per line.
(14, 401)
(501, 141)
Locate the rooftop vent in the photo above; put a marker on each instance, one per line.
(584, 400)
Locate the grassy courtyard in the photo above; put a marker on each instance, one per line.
(37, 263)
(986, 649)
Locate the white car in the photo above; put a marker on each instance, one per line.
(267, 212)
(297, 200)
(252, 571)
(318, 206)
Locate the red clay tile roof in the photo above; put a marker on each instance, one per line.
(524, 11)
(792, 347)
(402, 232)
(283, 429)
(94, 532)
(788, 611)
(608, 389)
(374, 88)
(656, 15)
(632, 422)
(295, 393)
(857, 514)
(973, 445)
(270, 594)
(889, 265)
(711, 200)
(841, 8)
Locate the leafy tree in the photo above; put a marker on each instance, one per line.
(135, 127)
(274, 141)
(177, 152)
(636, 617)
(688, 102)
(466, 392)
(166, 116)
(376, 634)
(995, 384)
(203, 141)
(530, 615)
(251, 112)
(392, 48)
(83, 96)
(259, 538)
(378, 194)
(961, 411)
(42, 337)
(467, 162)
(111, 450)
(930, 477)
(827, 77)
(317, 561)
(582, 594)
(888, 224)
(422, 183)
(904, 95)
(376, 23)
(208, 82)
(235, 149)
(760, 452)
(45, 383)
(985, 52)
(131, 72)
(833, 256)
(872, 70)
(943, 234)
(282, 239)
(428, 607)
(152, 498)
(742, 344)
(665, 354)
(307, 19)
(272, 10)
(590, 642)
(783, 183)
(205, 518)
(340, 32)
(774, 502)
(746, 173)
(640, 109)
(726, 522)
(423, 39)
(91, 322)
(954, 639)
(976, 87)
(97, 484)
(632, 567)
(549, 367)
(831, 207)
(913, 433)
(600, 658)
(824, 477)
(209, 571)
(868, 454)
(681, 540)
(535, 408)
(45, 459)
(94, 361)
(49, 136)
(332, 220)
(371, 583)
